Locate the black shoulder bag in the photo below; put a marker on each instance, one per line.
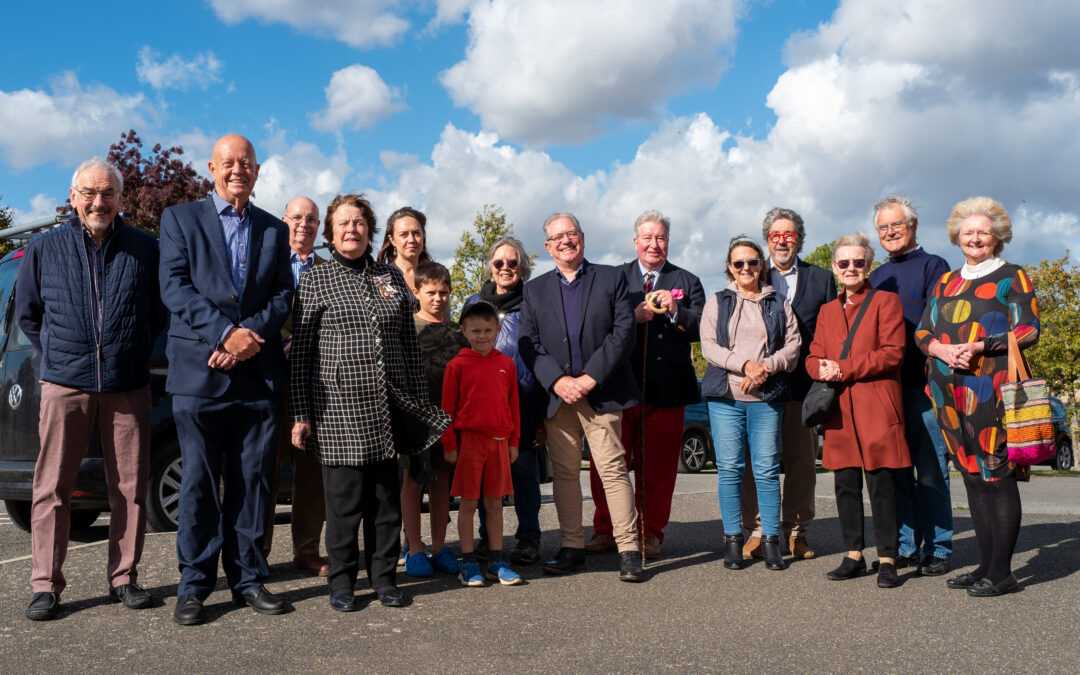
(820, 401)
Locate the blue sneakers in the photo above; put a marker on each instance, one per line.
(417, 565)
(445, 562)
(470, 575)
(501, 571)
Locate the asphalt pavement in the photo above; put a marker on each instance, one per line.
(690, 615)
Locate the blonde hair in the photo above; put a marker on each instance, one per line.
(981, 206)
(857, 239)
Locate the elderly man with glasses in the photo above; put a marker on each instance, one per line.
(807, 287)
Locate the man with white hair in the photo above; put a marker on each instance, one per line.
(88, 301)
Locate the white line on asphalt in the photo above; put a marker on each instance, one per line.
(104, 542)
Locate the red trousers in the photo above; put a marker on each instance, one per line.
(656, 479)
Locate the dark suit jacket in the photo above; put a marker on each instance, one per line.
(197, 287)
(814, 288)
(607, 336)
(670, 380)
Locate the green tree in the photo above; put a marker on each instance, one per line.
(469, 271)
(1057, 354)
(7, 218)
(820, 256)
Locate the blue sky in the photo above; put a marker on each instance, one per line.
(710, 110)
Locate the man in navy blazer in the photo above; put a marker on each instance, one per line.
(667, 327)
(807, 287)
(576, 335)
(225, 276)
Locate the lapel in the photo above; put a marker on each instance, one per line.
(586, 286)
(667, 277)
(803, 280)
(215, 236)
(554, 283)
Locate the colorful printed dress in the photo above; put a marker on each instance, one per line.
(967, 403)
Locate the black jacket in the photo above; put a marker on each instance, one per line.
(814, 288)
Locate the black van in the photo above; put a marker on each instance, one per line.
(20, 397)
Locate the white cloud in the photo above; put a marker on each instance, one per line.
(357, 23)
(357, 98)
(176, 73)
(67, 124)
(558, 71)
(41, 206)
(300, 169)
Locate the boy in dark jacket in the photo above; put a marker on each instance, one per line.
(480, 394)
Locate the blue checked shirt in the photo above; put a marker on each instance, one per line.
(237, 229)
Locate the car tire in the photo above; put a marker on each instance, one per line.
(694, 452)
(163, 489)
(1064, 460)
(82, 519)
(19, 511)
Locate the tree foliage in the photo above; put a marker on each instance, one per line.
(152, 183)
(1057, 354)
(820, 256)
(7, 218)
(469, 271)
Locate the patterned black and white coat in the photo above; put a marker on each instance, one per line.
(354, 355)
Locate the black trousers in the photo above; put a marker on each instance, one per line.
(370, 493)
(849, 506)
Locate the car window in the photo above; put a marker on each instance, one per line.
(8, 272)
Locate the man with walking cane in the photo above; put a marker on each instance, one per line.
(667, 308)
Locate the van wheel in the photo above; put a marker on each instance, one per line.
(19, 512)
(163, 489)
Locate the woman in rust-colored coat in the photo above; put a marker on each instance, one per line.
(865, 434)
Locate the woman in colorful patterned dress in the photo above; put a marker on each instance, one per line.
(965, 329)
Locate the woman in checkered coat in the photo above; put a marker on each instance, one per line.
(355, 364)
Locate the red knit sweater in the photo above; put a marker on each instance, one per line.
(480, 393)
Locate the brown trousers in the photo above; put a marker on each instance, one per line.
(67, 417)
(799, 454)
(603, 431)
(308, 504)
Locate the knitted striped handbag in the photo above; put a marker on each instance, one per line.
(1029, 430)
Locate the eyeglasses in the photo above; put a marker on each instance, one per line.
(857, 263)
(509, 264)
(752, 263)
(359, 224)
(893, 227)
(297, 219)
(571, 235)
(777, 237)
(89, 194)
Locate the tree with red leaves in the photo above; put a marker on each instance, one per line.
(152, 183)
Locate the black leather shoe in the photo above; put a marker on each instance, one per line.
(900, 562)
(849, 569)
(132, 595)
(188, 611)
(887, 576)
(343, 602)
(983, 588)
(935, 567)
(630, 567)
(390, 596)
(770, 548)
(261, 600)
(733, 559)
(962, 581)
(566, 560)
(43, 606)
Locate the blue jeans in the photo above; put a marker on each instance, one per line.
(923, 500)
(733, 423)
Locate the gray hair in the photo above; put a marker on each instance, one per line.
(519, 250)
(652, 216)
(779, 213)
(98, 163)
(556, 216)
(897, 199)
(981, 206)
(857, 239)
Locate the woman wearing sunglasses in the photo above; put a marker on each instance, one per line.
(750, 338)
(865, 435)
(508, 265)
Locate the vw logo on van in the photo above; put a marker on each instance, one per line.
(14, 397)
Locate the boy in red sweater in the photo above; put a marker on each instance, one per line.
(480, 394)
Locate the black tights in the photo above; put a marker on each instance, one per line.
(995, 513)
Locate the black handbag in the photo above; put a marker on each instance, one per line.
(820, 401)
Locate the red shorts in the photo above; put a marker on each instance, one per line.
(482, 461)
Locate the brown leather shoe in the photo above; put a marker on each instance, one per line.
(601, 543)
(312, 564)
(752, 548)
(800, 550)
(652, 547)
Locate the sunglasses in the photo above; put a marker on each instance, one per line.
(751, 263)
(858, 263)
(508, 264)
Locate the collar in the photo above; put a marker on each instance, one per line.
(296, 256)
(981, 269)
(789, 271)
(907, 255)
(656, 272)
(577, 274)
(220, 205)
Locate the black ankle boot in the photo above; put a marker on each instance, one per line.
(733, 544)
(770, 547)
